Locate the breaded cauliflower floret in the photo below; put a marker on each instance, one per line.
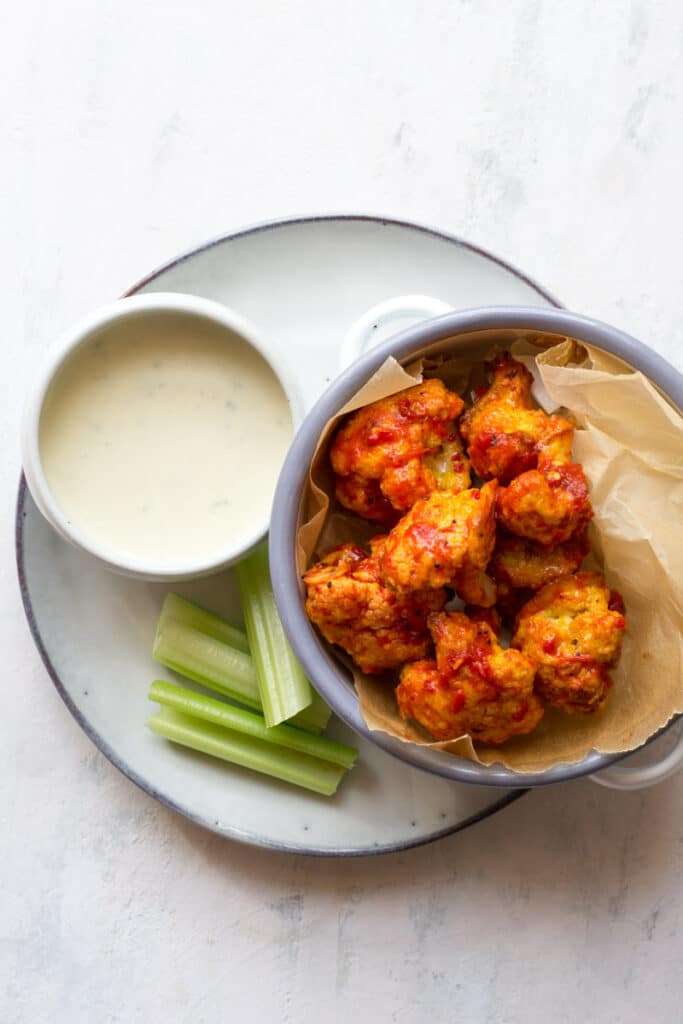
(389, 454)
(551, 503)
(519, 567)
(352, 607)
(445, 540)
(503, 429)
(573, 629)
(474, 687)
(365, 498)
(523, 563)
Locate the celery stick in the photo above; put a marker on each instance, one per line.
(284, 688)
(219, 667)
(315, 717)
(207, 661)
(177, 609)
(310, 718)
(209, 710)
(288, 765)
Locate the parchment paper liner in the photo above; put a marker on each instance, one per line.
(630, 444)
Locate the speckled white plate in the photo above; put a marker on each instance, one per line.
(303, 282)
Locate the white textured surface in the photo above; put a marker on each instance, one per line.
(549, 132)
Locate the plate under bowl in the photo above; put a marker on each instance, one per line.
(302, 283)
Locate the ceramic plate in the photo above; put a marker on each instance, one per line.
(303, 283)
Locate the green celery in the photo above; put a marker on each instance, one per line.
(178, 609)
(289, 765)
(283, 687)
(216, 665)
(207, 661)
(196, 705)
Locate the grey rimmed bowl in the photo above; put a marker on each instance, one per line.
(469, 333)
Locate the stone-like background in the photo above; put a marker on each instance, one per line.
(547, 131)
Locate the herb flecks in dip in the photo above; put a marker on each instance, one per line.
(162, 438)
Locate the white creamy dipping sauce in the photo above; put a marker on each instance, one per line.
(162, 438)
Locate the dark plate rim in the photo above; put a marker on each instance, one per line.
(248, 838)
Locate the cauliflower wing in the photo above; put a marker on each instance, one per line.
(503, 429)
(573, 629)
(519, 567)
(351, 606)
(549, 504)
(365, 498)
(391, 453)
(518, 562)
(473, 687)
(445, 540)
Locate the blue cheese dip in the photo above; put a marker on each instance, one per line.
(161, 438)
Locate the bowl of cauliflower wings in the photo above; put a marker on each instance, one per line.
(458, 591)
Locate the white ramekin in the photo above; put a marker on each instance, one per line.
(138, 307)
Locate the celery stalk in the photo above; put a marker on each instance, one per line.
(284, 688)
(207, 661)
(196, 705)
(315, 717)
(289, 765)
(177, 609)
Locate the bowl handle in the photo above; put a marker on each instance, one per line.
(385, 319)
(621, 776)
